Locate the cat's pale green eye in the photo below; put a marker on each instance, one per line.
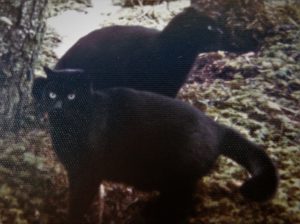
(71, 96)
(52, 95)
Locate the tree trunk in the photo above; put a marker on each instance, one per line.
(22, 27)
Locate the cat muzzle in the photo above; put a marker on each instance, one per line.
(58, 105)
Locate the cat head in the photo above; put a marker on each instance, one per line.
(63, 92)
(197, 29)
(210, 34)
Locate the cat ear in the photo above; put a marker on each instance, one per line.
(49, 72)
(38, 87)
(80, 76)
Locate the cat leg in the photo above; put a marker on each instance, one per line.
(174, 204)
(82, 190)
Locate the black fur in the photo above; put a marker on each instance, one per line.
(146, 59)
(145, 140)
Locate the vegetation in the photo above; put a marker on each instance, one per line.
(257, 93)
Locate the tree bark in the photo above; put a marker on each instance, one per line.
(22, 26)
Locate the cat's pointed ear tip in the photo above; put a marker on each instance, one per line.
(47, 70)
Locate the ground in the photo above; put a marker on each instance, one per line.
(257, 93)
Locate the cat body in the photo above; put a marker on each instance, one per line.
(147, 59)
(142, 139)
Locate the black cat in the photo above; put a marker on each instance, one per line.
(148, 59)
(142, 139)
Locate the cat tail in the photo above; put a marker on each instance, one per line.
(264, 180)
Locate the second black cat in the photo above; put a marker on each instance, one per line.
(148, 59)
(142, 139)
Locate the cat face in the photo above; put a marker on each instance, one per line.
(63, 94)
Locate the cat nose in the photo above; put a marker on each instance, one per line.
(58, 105)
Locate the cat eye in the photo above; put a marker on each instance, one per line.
(210, 28)
(52, 95)
(71, 96)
